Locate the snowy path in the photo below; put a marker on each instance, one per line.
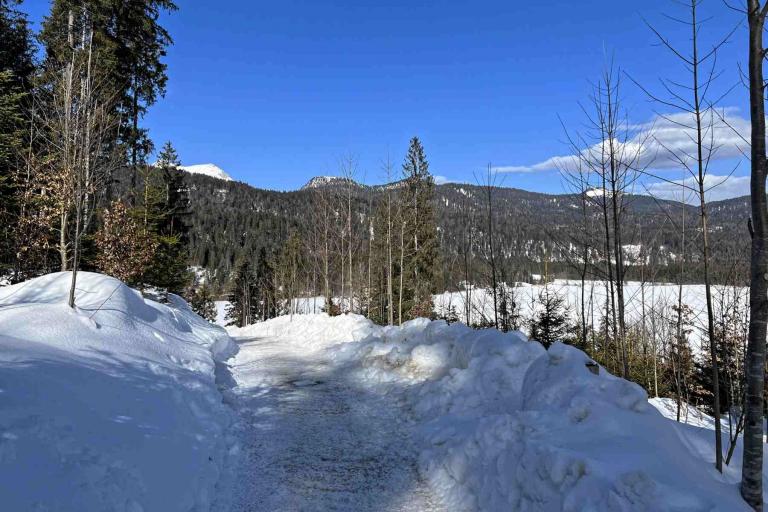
(315, 441)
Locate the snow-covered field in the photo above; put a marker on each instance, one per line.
(110, 407)
(659, 297)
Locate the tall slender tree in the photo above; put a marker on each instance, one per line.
(752, 466)
(419, 242)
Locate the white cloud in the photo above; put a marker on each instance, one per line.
(660, 142)
(441, 180)
(716, 188)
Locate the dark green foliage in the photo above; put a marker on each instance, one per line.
(680, 368)
(163, 209)
(451, 315)
(230, 218)
(130, 44)
(731, 335)
(17, 50)
(252, 292)
(422, 250)
(509, 309)
(201, 302)
(16, 70)
(551, 322)
(266, 299)
(11, 141)
(243, 296)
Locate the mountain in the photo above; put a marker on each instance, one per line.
(211, 170)
(532, 230)
(330, 181)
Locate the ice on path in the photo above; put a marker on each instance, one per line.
(314, 440)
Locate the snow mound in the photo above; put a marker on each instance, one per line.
(212, 170)
(313, 330)
(111, 406)
(504, 424)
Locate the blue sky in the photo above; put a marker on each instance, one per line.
(277, 92)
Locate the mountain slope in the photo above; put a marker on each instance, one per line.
(230, 218)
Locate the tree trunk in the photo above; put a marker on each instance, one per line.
(402, 259)
(752, 466)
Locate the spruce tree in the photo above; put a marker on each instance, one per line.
(243, 298)
(201, 302)
(550, 323)
(16, 70)
(171, 266)
(266, 300)
(421, 261)
(131, 44)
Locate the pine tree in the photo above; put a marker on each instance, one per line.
(419, 234)
(243, 298)
(680, 369)
(509, 309)
(550, 323)
(201, 302)
(128, 37)
(266, 300)
(170, 269)
(16, 70)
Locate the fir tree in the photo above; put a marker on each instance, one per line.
(129, 38)
(243, 298)
(550, 323)
(509, 309)
(266, 304)
(420, 244)
(16, 70)
(171, 267)
(201, 302)
(163, 209)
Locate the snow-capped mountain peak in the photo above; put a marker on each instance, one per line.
(211, 170)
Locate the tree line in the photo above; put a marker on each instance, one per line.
(72, 130)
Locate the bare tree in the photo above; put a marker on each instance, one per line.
(698, 121)
(610, 153)
(388, 170)
(488, 183)
(78, 123)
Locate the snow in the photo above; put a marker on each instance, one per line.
(211, 170)
(314, 439)
(696, 433)
(125, 404)
(221, 312)
(112, 406)
(498, 422)
(660, 296)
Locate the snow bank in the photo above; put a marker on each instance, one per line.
(315, 331)
(112, 406)
(504, 424)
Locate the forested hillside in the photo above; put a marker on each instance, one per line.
(229, 219)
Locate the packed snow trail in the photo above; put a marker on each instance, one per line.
(312, 440)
